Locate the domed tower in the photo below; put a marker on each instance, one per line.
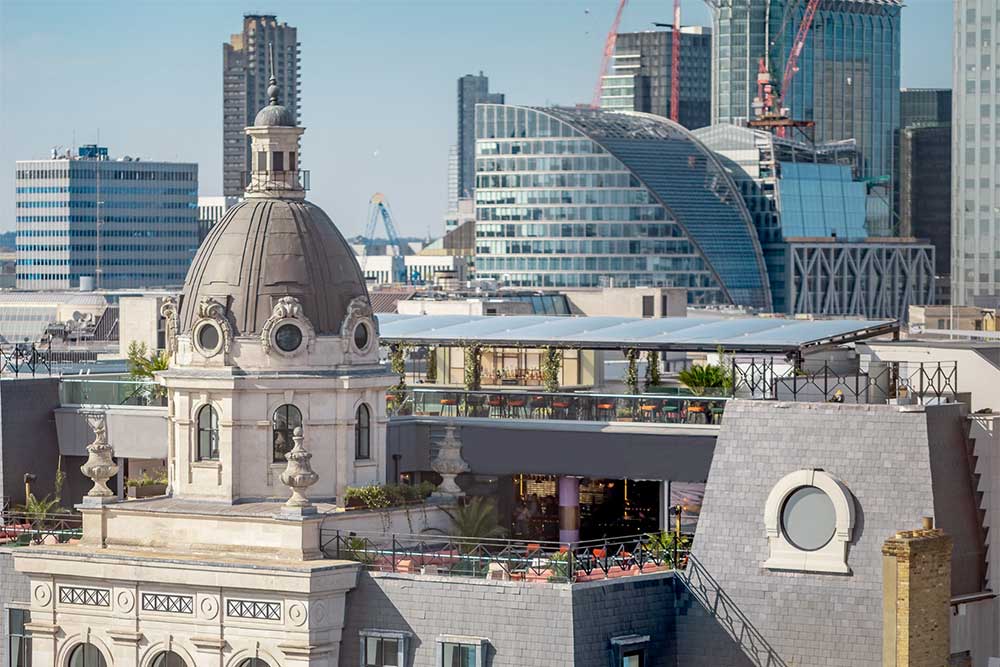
(273, 331)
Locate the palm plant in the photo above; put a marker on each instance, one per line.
(37, 510)
(144, 364)
(475, 520)
(699, 379)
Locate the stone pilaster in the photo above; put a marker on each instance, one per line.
(916, 567)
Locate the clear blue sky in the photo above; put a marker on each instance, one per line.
(378, 81)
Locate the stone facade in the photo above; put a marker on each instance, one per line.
(895, 472)
(916, 583)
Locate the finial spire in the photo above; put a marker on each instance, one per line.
(272, 87)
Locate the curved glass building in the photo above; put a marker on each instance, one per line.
(582, 198)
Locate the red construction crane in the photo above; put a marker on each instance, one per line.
(609, 50)
(792, 64)
(675, 66)
(770, 102)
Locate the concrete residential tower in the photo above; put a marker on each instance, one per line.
(975, 221)
(245, 72)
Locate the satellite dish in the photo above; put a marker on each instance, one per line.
(77, 316)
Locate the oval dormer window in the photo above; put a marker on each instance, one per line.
(288, 337)
(209, 338)
(361, 336)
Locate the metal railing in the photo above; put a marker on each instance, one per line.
(31, 360)
(651, 408)
(287, 179)
(703, 586)
(20, 528)
(519, 560)
(119, 391)
(869, 382)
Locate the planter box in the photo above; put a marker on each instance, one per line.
(147, 491)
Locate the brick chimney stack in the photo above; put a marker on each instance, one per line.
(916, 589)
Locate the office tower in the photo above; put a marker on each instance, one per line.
(810, 213)
(452, 178)
(975, 201)
(922, 106)
(585, 198)
(641, 74)
(210, 211)
(924, 168)
(245, 72)
(472, 90)
(847, 80)
(86, 219)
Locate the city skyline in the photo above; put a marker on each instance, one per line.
(379, 123)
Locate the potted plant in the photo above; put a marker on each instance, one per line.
(147, 486)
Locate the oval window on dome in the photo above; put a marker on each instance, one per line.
(208, 337)
(361, 336)
(808, 518)
(288, 337)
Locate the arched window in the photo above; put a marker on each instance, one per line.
(208, 434)
(286, 419)
(253, 662)
(363, 433)
(168, 659)
(86, 655)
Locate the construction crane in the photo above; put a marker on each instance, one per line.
(378, 209)
(769, 103)
(609, 50)
(675, 66)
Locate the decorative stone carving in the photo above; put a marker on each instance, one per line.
(298, 475)
(297, 613)
(99, 466)
(168, 309)
(448, 463)
(287, 309)
(358, 310)
(43, 594)
(209, 607)
(210, 309)
(126, 601)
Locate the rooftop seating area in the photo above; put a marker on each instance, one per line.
(510, 560)
(648, 408)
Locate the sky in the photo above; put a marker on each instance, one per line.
(144, 78)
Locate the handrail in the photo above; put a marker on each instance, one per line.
(703, 586)
(23, 527)
(515, 559)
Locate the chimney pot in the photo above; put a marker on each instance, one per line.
(928, 523)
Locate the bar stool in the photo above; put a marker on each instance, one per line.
(449, 405)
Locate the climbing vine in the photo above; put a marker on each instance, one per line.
(473, 367)
(652, 369)
(551, 368)
(432, 369)
(632, 370)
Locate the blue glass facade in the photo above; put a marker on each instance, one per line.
(848, 72)
(581, 198)
(134, 224)
(821, 200)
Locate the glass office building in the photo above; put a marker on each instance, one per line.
(975, 156)
(641, 71)
(124, 223)
(810, 212)
(583, 198)
(848, 73)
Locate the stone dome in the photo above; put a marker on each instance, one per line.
(264, 249)
(274, 115)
